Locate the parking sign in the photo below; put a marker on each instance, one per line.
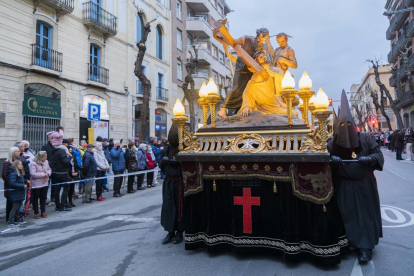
(94, 112)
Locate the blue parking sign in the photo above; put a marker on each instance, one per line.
(94, 112)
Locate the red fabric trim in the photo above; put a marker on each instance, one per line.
(247, 201)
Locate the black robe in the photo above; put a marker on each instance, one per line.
(358, 198)
(172, 213)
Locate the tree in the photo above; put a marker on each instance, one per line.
(146, 83)
(189, 93)
(380, 106)
(361, 118)
(384, 89)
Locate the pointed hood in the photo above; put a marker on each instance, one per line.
(346, 133)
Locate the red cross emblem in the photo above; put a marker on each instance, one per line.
(247, 201)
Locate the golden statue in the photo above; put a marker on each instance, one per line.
(260, 93)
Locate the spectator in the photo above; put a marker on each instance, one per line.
(111, 144)
(99, 139)
(391, 139)
(48, 147)
(28, 151)
(56, 138)
(107, 154)
(22, 146)
(410, 140)
(77, 154)
(88, 172)
(39, 177)
(151, 165)
(157, 152)
(399, 144)
(142, 165)
(136, 140)
(14, 154)
(132, 165)
(118, 166)
(60, 171)
(18, 184)
(102, 168)
(74, 176)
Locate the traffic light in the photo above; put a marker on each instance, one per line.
(330, 102)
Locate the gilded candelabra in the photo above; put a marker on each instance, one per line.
(305, 95)
(213, 99)
(289, 95)
(322, 115)
(312, 108)
(203, 102)
(180, 122)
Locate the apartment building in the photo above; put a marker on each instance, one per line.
(190, 26)
(361, 98)
(59, 56)
(401, 35)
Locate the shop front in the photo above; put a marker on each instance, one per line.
(93, 128)
(160, 123)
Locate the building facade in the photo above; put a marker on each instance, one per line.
(401, 35)
(362, 101)
(59, 58)
(190, 27)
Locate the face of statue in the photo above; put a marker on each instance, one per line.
(282, 41)
(260, 39)
(261, 59)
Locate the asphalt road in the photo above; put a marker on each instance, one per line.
(122, 236)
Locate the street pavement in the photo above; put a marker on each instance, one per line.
(122, 236)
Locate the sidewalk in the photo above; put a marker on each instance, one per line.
(110, 185)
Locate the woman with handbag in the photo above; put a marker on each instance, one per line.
(131, 164)
(40, 172)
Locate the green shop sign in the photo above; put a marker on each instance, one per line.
(40, 106)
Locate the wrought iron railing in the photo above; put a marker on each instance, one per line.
(98, 74)
(47, 58)
(93, 13)
(139, 88)
(162, 94)
(67, 5)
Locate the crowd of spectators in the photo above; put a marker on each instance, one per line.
(64, 160)
(398, 141)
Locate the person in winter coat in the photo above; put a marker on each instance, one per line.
(151, 165)
(399, 144)
(17, 195)
(24, 159)
(56, 138)
(89, 171)
(118, 167)
(106, 151)
(131, 164)
(103, 167)
(74, 176)
(14, 154)
(111, 144)
(409, 138)
(142, 164)
(39, 177)
(60, 171)
(28, 153)
(77, 154)
(49, 148)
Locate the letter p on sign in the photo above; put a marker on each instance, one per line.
(94, 112)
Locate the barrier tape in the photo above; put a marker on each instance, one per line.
(89, 179)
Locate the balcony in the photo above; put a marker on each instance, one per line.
(63, 6)
(390, 35)
(139, 88)
(98, 74)
(204, 54)
(392, 82)
(410, 29)
(395, 51)
(398, 19)
(198, 5)
(162, 94)
(199, 27)
(46, 58)
(95, 16)
(401, 72)
(408, 3)
(405, 99)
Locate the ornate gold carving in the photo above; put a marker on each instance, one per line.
(191, 142)
(233, 167)
(222, 168)
(313, 142)
(279, 169)
(319, 181)
(267, 168)
(211, 168)
(247, 143)
(255, 167)
(244, 167)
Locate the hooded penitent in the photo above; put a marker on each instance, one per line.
(346, 134)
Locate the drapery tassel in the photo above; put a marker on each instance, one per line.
(324, 208)
(214, 185)
(274, 187)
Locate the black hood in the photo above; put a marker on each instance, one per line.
(346, 133)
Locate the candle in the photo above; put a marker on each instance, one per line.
(203, 90)
(321, 100)
(288, 81)
(305, 82)
(178, 109)
(211, 87)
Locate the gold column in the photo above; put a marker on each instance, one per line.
(212, 101)
(204, 104)
(305, 95)
(312, 108)
(322, 115)
(180, 122)
(289, 95)
(300, 107)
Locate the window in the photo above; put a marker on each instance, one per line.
(159, 43)
(220, 9)
(221, 56)
(179, 40)
(189, 41)
(215, 51)
(160, 80)
(215, 77)
(140, 27)
(43, 41)
(140, 87)
(179, 70)
(94, 69)
(179, 10)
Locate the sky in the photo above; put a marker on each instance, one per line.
(332, 39)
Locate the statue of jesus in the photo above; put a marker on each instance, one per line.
(260, 94)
